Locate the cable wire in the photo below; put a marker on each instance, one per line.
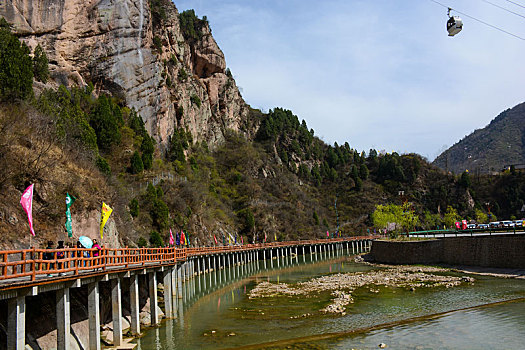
(503, 8)
(515, 3)
(480, 21)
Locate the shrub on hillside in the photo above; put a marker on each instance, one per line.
(136, 166)
(155, 240)
(103, 166)
(134, 208)
(40, 65)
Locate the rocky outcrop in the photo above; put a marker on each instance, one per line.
(115, 45)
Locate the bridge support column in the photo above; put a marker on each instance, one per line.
(94, 316)
(179, 281)
(116, 311)
(63, 318)
(134, 303)
(168, 297)
(153, 302)
(16, 323)
(199, 266)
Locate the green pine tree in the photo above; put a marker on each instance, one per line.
(16, 69)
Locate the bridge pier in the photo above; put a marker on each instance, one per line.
(134, 303)
(94, 316)
(63, 318)
(153, 302)
(168, 297)
(16, 323)
(116, 310)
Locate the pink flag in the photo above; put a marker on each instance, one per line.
(172, 241)
(327, 234)
(27, 204)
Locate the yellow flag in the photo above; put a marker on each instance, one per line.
(104, 216)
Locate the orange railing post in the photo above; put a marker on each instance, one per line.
(33, 264)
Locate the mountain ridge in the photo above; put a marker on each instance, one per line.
(488, 150)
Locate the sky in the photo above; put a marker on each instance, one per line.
(377, 74)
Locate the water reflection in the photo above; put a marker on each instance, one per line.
(214, 310)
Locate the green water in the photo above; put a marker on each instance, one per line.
(216, 313)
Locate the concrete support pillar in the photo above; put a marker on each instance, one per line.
(174, 287)
(209, 263)
(198, 266)
(63, 319)
(116, 311)
(168, 297)
(183, 271)
(153, 302)
(179, 281)
(16, 323)
(94, 316)
(134, 304)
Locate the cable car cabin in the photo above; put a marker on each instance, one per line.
(454, 25)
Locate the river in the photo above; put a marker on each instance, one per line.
(216, 313)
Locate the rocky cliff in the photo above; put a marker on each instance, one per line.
(136, 50)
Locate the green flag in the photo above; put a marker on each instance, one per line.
(69, 202)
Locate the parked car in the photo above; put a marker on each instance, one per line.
(518, 223)
(471, 226)
(483, 226)
(495, 224)
(507, 224)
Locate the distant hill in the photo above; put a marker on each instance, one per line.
(499, 144)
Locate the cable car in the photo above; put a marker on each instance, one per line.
(454, 24)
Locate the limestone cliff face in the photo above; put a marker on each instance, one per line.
(115, 45)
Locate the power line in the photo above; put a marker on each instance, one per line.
(503, 8)
(480, 21)
(515, 3)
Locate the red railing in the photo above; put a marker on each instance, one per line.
(35, 262)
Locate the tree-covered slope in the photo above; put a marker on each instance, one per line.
(499, 144)
(272, 179)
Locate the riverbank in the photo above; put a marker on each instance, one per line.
(501, 251)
